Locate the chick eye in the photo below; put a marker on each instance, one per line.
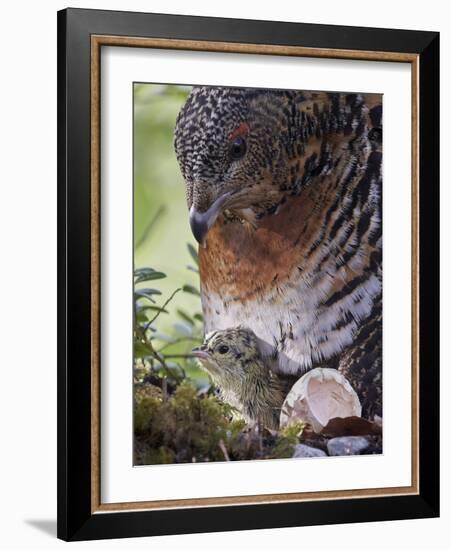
(223, 349)
(238, 148)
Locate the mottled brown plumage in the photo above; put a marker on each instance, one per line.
(285, 188)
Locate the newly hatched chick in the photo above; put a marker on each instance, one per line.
(232, 359)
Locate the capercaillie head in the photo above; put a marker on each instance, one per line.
(228, 144)
(242, 151)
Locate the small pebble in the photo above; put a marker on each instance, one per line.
(305, 451)
(348, 445)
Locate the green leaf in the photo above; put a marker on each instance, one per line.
(141, 317)
(140, 349)
(191, 290)
(185, 316)
(193, 253)
(142, 309)
(193, 269)
(152, 276)
(141, 271)
(147, 293)
(148, 274)
(199, 317)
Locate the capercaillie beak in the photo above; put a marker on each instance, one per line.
(199, 225)
(201, 222)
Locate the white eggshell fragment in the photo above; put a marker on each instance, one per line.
(318, 396)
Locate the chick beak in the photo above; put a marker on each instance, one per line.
(200, 353)
(201, 222)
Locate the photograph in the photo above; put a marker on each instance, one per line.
(248, 267)
(227, 219)
(257, 273)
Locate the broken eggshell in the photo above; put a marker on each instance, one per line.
(318, 396)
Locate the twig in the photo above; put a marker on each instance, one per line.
(179, 340)
(224, 450)
(155, 317)
(179, 356)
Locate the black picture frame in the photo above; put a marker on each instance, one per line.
(76, 519)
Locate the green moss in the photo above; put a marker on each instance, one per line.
(187, 426)
(287, 439)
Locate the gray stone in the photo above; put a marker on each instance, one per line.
(348, 445)
(305, 451)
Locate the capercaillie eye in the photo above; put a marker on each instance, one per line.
(223, 349)
(237, 148)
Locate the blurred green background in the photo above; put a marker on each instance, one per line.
(161, 226)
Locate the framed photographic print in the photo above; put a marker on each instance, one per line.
(248, 274)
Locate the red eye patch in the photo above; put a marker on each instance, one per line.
(242, 130)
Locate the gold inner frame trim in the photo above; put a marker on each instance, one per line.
(97, 41)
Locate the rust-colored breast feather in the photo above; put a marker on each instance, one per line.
(241, 261)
